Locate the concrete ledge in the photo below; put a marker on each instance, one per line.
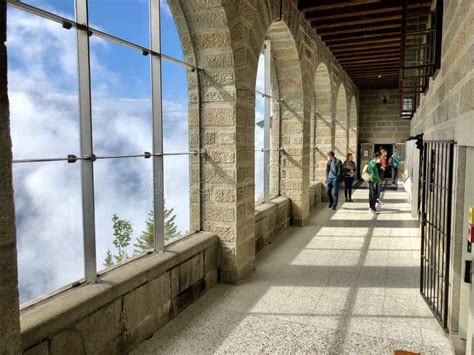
(128, 304)
(271, 219)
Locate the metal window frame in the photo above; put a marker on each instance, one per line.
(157, 114)
(266, 119)
(87, 165)
(87, 156)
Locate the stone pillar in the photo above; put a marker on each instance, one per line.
(224, 120)
(295, 122)
(10, 339)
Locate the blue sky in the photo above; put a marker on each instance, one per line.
(44, 123)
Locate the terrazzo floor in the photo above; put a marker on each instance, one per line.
(345, 283)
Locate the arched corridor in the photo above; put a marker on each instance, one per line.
(345, 283)
(164, 173)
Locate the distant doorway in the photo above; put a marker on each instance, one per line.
(389, 149)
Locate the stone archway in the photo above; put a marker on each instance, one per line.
(341, 123)
(321, 132)
(293, 125)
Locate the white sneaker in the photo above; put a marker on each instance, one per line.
(376, 211)
(371, 211)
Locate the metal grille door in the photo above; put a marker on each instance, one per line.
(436, 204)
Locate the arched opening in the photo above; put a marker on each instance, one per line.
(321, 124)
(353, 128)
(287, 124)
(340, 131)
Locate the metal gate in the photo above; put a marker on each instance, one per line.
(436, 205)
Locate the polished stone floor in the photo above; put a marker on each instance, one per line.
(345, 283)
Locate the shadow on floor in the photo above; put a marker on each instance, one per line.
(333, 286)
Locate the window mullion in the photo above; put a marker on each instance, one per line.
(266, 122)
(87, 168)
(158, 175)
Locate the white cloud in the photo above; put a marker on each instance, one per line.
(164, 7)
(45, 123)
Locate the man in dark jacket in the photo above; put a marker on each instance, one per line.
(333, 174)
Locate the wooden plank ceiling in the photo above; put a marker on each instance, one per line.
(365, 36)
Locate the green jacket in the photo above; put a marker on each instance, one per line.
(373, 171)
(395, 161)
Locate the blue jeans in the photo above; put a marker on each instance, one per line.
(348, 181)
(332, 183)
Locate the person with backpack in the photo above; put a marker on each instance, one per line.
(371, 173)
(381, 167)
(349, 171)
(333, 175)
(394, 161)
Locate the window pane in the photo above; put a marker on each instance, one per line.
(175, 139)
(170, 41)
(176, 171)
(123, 207)
(49, 226)
(121, 105)
(175, 108)
(63, 8)
(42, 87)
(126, 19)
(259, 131)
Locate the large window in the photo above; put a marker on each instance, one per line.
(100, 136)
(266, 130)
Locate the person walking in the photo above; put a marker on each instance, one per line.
(394, 161)
(333, 173)
(349, 171)
(374, 181)
(381, 166)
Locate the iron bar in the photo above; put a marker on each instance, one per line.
(448, 230)
(71, 158)
(87, 150)
(157, 128)
(270, 96)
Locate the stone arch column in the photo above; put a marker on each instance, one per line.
(221, 119)
(294, 177)
(353, 128)
(341, 124)
(322, 133)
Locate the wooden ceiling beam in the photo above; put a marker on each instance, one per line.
(337, 51)
(354, 43)
(391, 62)
(356, 21)
(315, 17)
(375, 77)
(379, 56)
(375, 67)
(374, 36)
(368, 52)
(357, 29)
(380, 71)
(327, 5)
(369, 60)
